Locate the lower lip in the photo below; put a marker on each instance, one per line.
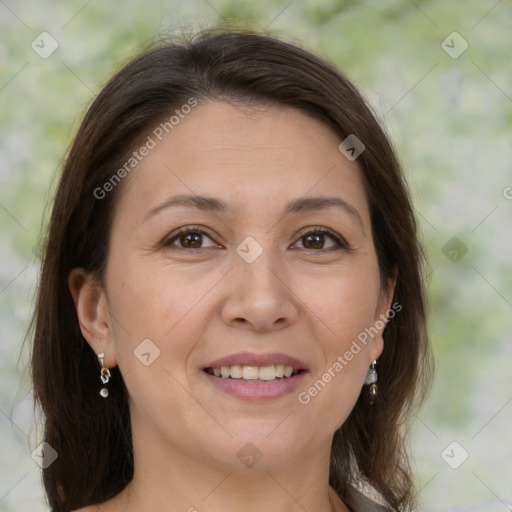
(256, 391)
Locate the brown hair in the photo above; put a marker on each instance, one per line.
(93, 436)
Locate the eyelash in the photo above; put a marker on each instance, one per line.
(340, 242)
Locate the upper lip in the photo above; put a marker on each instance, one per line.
(252, 359)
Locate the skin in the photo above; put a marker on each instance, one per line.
(306, 299)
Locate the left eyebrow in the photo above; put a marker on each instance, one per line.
(212, 204)
(309, 204)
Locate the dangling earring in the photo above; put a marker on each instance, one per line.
(371, 379)
(104, 374)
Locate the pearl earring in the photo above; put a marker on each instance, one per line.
(371, 380)
(104, 374)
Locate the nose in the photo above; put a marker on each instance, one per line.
(260, 298)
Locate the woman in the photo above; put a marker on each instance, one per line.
(231, 314)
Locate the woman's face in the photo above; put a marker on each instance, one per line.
(257, 285)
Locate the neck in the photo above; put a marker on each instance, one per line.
(168, 480)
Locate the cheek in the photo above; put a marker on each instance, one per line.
(343, 304)
(149, 303)
(343, 310)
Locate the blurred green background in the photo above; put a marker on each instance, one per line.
(448, 110)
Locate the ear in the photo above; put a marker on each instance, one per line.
(93, 314)
(384, 312)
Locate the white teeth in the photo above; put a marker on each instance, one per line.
(250, 372)
(267, 372)
(253, 373)
(236, 372)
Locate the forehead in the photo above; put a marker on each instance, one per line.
(256, 158)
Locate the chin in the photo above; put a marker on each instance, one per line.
(246, 453)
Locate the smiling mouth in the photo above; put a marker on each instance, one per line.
(254, 373)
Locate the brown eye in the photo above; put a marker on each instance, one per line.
(318, 239)
(189, 238)
(315, 241)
